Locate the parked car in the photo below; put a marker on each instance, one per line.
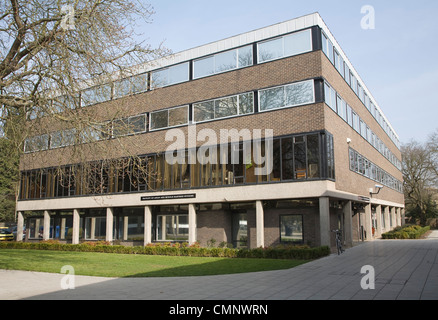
(6, 234)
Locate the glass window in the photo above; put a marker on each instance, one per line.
(203, 67)
(299, 93)
(226, 61)
(245, 57)
(132, 85)
(293, 44)
(137, 124)
(37, 143)
(95, 228)
(287, 158)
(62, 138)
(342, 111)
(172, 75)
(96, 95)
(270, 50)
(172, 227)
(178, 116)
(226, 107)
(271, 99)
(291, 229)
(246, 103)
(287, 96)
(298, 42)
(203, 111)
(313, 154)
(159, 119)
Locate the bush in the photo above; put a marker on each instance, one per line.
(406, 232)
(176, 249)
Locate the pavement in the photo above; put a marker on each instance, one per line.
(401, 270)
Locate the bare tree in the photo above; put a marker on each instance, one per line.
(51, 49)
(420, 178)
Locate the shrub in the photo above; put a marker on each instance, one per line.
(169, 249)
(406, 232)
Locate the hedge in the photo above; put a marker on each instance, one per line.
(278, 252)
(406, 232)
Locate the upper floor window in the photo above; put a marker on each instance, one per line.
(293, 44)
(224, 107)
(171, 75)
(294, 94)
(132, 85)
(169, 118)
(222, 62)
(95, 95)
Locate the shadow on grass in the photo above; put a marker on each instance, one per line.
(221, 267)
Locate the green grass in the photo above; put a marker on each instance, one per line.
(120, 265)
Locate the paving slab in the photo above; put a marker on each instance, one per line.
(404, 270)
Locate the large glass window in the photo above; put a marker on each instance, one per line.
(293, 44)
(287, 96)
(172, 227)
(291, 229)
(132, 85)
(169, 118)
(224, 107)
(95, 228)
(221, 62)
(95, 95)
(172, 75)
(36, 143)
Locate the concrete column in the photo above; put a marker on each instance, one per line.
(379, 229)
(109, 224)
(324, 221)
(147, 225)
(398, 214)
(62, 231)
(76, 226)
(386, 215)
(46, 230)
(368, 223)
(260, 225)
(20, 225)
(348, 224)
(402, 216)
(393, 219)
(125, 227)
(192, 224)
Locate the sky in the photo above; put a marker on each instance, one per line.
(396, 60)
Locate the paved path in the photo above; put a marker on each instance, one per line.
(404, 269)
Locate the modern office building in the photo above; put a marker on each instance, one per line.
(263, 138)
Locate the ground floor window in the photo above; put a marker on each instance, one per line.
(291, 229)
(95, 228)
(240, 230)
(172, 227)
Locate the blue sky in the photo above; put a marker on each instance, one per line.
(397, 60)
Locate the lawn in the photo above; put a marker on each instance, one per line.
(120, 265)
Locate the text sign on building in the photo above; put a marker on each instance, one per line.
(169, 197)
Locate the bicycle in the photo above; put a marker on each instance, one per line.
(338, 234)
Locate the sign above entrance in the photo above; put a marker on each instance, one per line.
(170, 197)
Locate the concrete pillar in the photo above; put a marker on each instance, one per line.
(379, 229)
(368, 227)
(324, 221)
(20, 225)
(260, 225)
(386, 215)
(348, 223)
(46, 230)
(109, 224)
(147, 225)
(125, 227)
(402, 216)
(62, 231)
(192, 224)
(393, 219)
(76, 226)
(398, 214)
